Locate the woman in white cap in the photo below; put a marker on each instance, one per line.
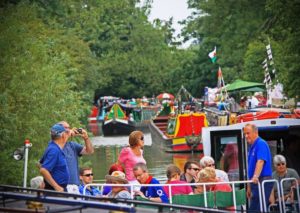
(118, 177)
(37, 182)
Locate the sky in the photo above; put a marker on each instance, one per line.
(165, 9)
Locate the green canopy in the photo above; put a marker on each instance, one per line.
(253, 89)
(242, 85)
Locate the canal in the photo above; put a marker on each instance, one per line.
(107, 150)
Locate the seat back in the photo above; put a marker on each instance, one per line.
(194, 200)
(225, 199)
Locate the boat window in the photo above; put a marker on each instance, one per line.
(229, 160)
(227, 152)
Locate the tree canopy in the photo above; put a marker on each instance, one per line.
(56, 56)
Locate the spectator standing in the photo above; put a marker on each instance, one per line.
(86, 177)
(129, 156)
(190, 172)
(259, 166)
(152, 193)
(54, 167)
(173, 175)
(74, 150)
(208, 161)
(118, 177)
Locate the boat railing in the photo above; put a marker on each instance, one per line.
(280, 194)
(234, 185)
(11, 196)
(132, 187)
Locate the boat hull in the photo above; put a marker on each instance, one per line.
(117, 127)
(172, 145)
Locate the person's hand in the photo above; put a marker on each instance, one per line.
(255, 179)
(59, 189)
(139, 193)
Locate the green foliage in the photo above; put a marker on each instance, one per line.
(36, 90)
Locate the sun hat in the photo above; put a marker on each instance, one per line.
(117, 176)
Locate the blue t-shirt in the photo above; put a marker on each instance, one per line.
(72, 151)
(55, 162)
(259, 151)
(93, 191)
(155, 191)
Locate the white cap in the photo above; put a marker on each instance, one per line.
(36, 182)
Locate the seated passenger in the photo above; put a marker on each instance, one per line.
(118, 177)
(86, 177)
(281, 171)
(113, 167)
(191, 170)
(208, 161)
(208, 175)
(37, 182)
(173, 175)
(152, 193)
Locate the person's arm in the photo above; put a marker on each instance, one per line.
(48, 177)
(272, 197)
(155, 199)
(258, 168)
(248, 191)
(88, 149)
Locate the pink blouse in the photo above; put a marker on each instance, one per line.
(129, 159)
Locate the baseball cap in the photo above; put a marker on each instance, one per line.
(57, 129)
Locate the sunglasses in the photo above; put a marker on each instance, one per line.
(195, 169)
(88, 175)
(280, 164)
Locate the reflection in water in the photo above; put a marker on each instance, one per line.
(107, 150)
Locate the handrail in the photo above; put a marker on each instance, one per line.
(233, 183)
(282, 192)
(263, 193)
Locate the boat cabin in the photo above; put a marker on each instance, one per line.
(227, 145)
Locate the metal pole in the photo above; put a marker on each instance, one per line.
(27, 144)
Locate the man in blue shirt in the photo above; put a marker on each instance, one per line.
(87, 176)
(53, 163)
(259, 166)
(72, 151)
(153, 193)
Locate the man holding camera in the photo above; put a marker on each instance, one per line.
(72, 151)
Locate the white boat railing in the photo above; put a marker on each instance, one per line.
(261, 190)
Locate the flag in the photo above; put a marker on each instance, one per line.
(213, 55)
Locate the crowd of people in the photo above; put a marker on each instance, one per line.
(60, 170)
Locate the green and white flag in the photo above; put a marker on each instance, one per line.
(213, 55)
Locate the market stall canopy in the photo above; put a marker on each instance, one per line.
(165, 96)
(253, 89)
(239, 84)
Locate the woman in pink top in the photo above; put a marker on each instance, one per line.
(173, 175)
(129, 156)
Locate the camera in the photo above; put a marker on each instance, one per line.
(79, 130)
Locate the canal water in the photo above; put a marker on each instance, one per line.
(107, 150)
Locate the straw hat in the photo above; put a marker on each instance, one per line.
(117, 176)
